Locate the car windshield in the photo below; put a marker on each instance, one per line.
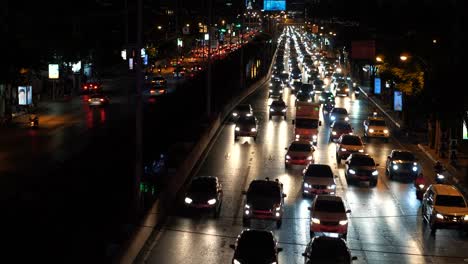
(450, 200)
(278, 104)
(327, 94)
(243, 108)
(340, 111)
(307, 123)
(303, 96)
(246, 122)
(322, 171)
(300, 147)
(362, 161)
(341, 126)
(203, 186)
(403, 155)
(350, 140)
(328, 252)
(256, 246)
(377, 123)
(329, 206)
(262, 188)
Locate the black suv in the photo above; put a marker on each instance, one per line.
(255, 246)
(246, 126)
(402, 163)
(278, 108)
(323, 249)
(204, 193)
(361, 167)
(265, 200)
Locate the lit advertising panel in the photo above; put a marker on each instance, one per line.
(377, 85)
(24, 95)
(53, 71)
(274, 5)
(398, 101)
(465, 131)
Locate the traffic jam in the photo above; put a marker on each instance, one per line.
(336, 155)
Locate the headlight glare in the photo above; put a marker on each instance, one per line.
(375, 173)
(395, 167)
(188, 200)
(343, 222)
(212, 201)
(315, 220)
(439, 216)
(352, 171)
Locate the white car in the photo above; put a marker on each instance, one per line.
(376, 127)
(318, 179)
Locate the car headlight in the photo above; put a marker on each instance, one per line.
(271, 90)
(288, 157)
(465, 218)
(332, 117)
(314, 137)
(212, 201)
(375, 173)
(346, 118)
(331, 187)
(421, 186)
(278, 208)
(440, 176)
(271, 109)
(310, 158)
(306, 185)
(415, 168)
(352, 171)
(188, 200)
(237, 262)
(371, 130)
(343, 222)
(237, 128)
(249, 114)
(361, 150)
(253, 129)
(315, 220)
(395, 167)
(281, 91)
(247, 206)
(284, 110)
(334, 133)
(297, 136)
(309, 100)
(439, 216)
(234, 114)
(343, 149)
(385, 131)
(271, 85)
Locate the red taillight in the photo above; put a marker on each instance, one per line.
(95, 86)
(102, 100)
(89, 100)
(161, 91)
(86, 87)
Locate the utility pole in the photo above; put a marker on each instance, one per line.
(208, 70)
(139, 111)
(241, 35)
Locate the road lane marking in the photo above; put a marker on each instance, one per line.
(239, 205)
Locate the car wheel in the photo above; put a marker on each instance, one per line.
(246, 222)
(278, 223)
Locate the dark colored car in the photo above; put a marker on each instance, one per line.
(158, 81)
(327, 250)
(242, 110)
(278, 108)
(296, 75)
(304, 97)
(204, 192)
(255, 247)
(306, 88)
(342, 89)
(318, 86)
(402, 163)
(265, 200)
(98, 99)
(179, 71)
(338, 114)
(339, 128)
(295, 86)
(246, 126)
(275, 90)
(326, 97)
(361, 167)
(92, 87)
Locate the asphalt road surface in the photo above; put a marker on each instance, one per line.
(385, 223)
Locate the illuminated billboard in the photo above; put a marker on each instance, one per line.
(377, 85)
(24, 95)
(397, 101)
(274, 5)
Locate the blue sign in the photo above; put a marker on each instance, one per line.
(377, 85)
(398, 101)
(274, 5)
(145, 59)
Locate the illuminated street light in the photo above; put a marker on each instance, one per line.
(222, 22)
(434, 41)
(188, 25)
(321, 27)
(159, 27)
(379, 59)
(403, 58)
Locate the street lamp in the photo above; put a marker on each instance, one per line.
(403, 58)
(379, 59)
(159, 27)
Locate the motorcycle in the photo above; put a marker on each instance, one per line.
(34, 122)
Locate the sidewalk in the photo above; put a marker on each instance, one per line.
(457, 175)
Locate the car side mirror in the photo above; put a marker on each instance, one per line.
(348, 211)
(232, 246)
(284, 195)
(354, 258)
(244, 192)
(279, 249)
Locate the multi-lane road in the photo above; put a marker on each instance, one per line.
(385, 223)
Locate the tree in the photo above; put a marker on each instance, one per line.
(409, 79)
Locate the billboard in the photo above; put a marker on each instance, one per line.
(397, 101)
(363, 50)
(465, 130)
(377, 85)
(24, 95)
(274, 5)
(53, 71)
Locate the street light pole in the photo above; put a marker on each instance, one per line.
(208, 70)
(138, 112)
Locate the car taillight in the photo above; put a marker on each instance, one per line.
(102, 100)
(95, 86)
(161, 91)
(89, 100)
(86, 87)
